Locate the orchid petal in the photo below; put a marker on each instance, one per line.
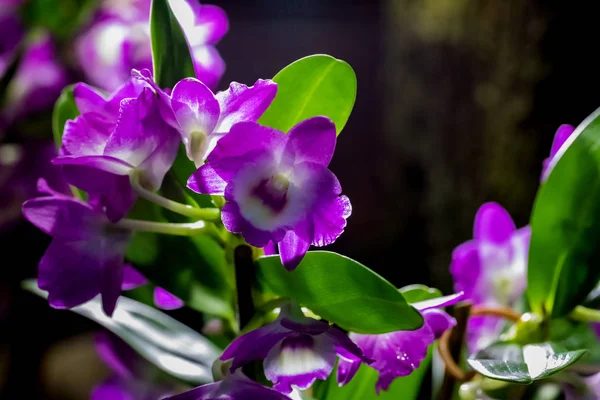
(242, 103)
(493, 224)
(132, 278)
(195, 106)
(294, 246)
(312, 140)
(254, 345)
(299, 360)
(346, 370)
(165, 300)
(63, 217)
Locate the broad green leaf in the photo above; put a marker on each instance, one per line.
(564, 253)
(342, 291)
(417, 292)
(64, 110)
(523, 364)
(312, 86)
(362, 386)
(162, 340)
(171, 59)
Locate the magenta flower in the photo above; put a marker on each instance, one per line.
(491, 269)
(131, 378)
(119, 40)
(591, 390)
(162, 298)
(234, 387)
(202, 118)
(397, 354)
(296, 350)
(278, 187)
(100, 155)
(560, 137)
(85, 257)
(38, 80)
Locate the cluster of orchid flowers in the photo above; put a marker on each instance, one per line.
(277, 191)
(108, 44)
(269, 189)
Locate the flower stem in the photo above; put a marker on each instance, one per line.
(245, 271)
(206, 214)
(501, 312)
(450, 348)
(169, 228)
(585, 314)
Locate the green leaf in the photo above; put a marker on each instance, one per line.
(171, 59)
(523, 364)
(312, 86)
(362, 386)
(64, 110)
(564, 253)
(160, 339)
(418, 292)
(342, 291)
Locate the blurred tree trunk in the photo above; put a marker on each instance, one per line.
(460, 81)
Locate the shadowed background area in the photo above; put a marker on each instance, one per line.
(457, 105)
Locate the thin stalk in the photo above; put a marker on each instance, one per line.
(245, 272)
(168, 228)
(206, 214)
(450, 348)
(584, 314)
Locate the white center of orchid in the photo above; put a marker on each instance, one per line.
(272, 196)
(505, 266)
(197, 147)
(297, 355)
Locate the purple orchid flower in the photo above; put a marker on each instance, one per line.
(131, 378)
(101, 155)
(234, 387)
(296, 350)
(399, 353)
(85, 257)
(278, 187)
(202, 118)
(11, 33)
(38, 80)
(560, 137)
(591, 390)
(491, 269)
(119, 41)
(162, 299)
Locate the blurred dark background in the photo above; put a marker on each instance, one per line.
(457, 105)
